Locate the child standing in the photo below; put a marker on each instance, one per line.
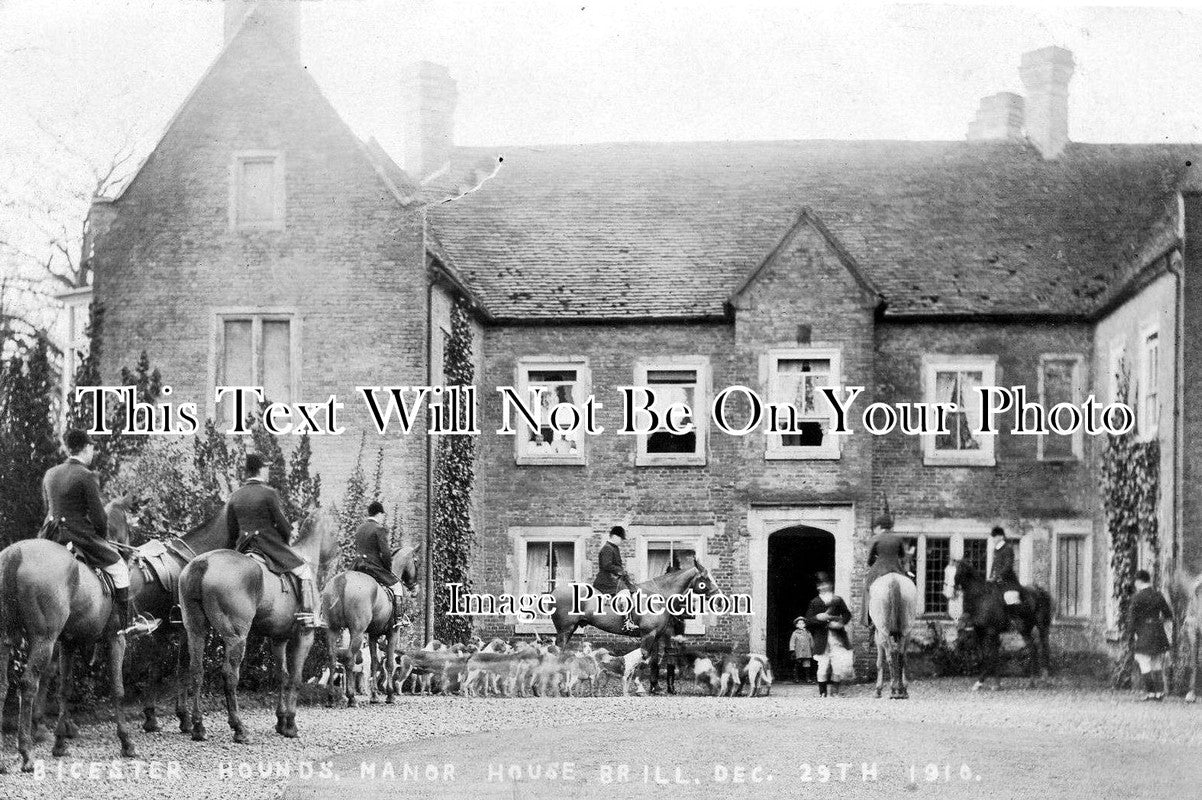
(826, 620)
(802, 648)
(1149, 613)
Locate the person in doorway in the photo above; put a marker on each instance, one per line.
(826, 620)
(802, 647)
(1149, 613)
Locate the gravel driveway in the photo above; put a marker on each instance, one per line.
(1046, 743)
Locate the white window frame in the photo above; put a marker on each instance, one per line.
(276, 157)
(832, 445)
(932, 365)
(692, 537)
(256, 316)
(957, 531)
(701, 393)
(1114, 360)
(521, 384)
(1073, 529)
(522, 536)
(1078, 436)
(1147, 429)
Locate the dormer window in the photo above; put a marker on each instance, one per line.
(257, 190)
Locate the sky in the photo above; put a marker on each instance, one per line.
(81, 78)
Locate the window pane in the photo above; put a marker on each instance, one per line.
(671, 387)
(256, 190)
(797, 382)
(563, 562)
(559, 386)
(237, 361)
(1070, 576)
(1058, 388)
(938, 556)
(538, 567)
(976, 555)
(277, 361)
(959, 387)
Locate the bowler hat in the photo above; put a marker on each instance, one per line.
(375, 507)
(618, 531)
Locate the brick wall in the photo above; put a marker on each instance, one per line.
(349, 261)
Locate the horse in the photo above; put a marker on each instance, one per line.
(48, 598)
(234, 594)
(892, 601)
(990, 617)
(167, 558)
(356, 603)
(1191, 625)
(653, 629)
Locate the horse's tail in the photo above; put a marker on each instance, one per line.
(896, 608)
(191, 595)
(10, 562)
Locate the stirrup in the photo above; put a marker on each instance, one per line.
(308, 619)
(141, 625)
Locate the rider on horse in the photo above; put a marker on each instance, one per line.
(886, 553)
(375, 556)
(76, 517)
(256, 521)
(612, 577)
(1003, 567)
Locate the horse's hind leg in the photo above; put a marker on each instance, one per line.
(195, 684)
(1191, 632)
(331, 665)
(66, 665)
(6, 655)
(298, 648)
(180, 682)
(231, 669)
(350, 660)
(389, 664)
(38, 658)
(880, 666)
(117, 693)
(158, 651)
(279, 655)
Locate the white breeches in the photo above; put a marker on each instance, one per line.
(119, 572)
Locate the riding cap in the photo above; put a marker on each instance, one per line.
(76, 440)
(1143, 577)
(618, 531)
(375, 507)
(254, 463)
(998, 530)
(883, 521)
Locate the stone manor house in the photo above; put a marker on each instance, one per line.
(262, 242)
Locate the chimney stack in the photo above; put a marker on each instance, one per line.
(429, 98)
(281, 19)
(1000, 116)
(1045, 74)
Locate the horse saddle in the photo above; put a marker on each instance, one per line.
(289, 583)
(158, 562)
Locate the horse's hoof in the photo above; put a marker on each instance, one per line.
(199, 735)
(290, 733)
(352, 702)
(129, 751)
(1191, 698)
(151, 726)
(390, 700)
(878, 693)
(27, 766)
(39, 736)
(60, 749)
(241, 737)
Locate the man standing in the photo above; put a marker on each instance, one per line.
(1149, 612)
(612, 577)
(886, 553)
(375, 556)
(1003, 566)
(256, 523)
(826, 620)
(76, 517)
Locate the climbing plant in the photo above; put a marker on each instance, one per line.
(1130, 487)
(454, 472)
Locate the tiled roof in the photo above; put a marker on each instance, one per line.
(626, 231)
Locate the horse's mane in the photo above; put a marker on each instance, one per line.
(658, 581)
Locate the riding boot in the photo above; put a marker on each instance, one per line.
(310, 605)
(127, 620)
(398, 610)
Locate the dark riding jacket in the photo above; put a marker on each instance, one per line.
(886, 553)
(256, 522)
(375, 552)
(820, 629)
(611, 574)
(75, 512)
(1149, 611)
(1003, 567)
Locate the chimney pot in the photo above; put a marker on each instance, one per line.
(430, 95)
(1045, 75)
(1000, 116)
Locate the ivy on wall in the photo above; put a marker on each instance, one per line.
(454, 471)
(1130, 487)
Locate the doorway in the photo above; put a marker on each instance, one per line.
(795, 556)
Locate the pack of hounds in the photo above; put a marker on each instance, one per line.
(498, 668)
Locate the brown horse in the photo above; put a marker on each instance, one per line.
(168, 559)
(354, 602)
(1189, 592)
(48, 597)
(653, 629)
(233, 594)
(892, 601)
